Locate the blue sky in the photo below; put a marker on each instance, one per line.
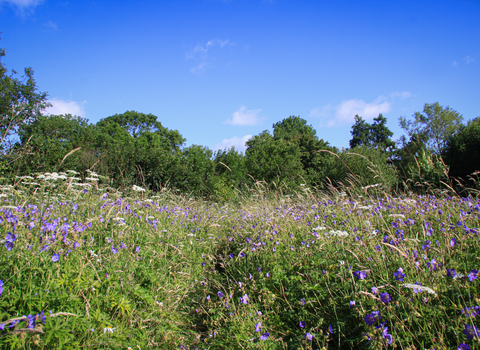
(221, 71)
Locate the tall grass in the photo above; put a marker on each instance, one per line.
(86, 266)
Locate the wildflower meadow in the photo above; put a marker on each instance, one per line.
(84, 266)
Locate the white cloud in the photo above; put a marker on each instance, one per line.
(402, 94)
(344, 113)
(201, 54)
(65, 107)
(244, 117)
(51, 25)
(22, 6)
(239, 143)
(469, 59)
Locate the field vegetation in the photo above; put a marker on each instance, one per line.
(116, 236)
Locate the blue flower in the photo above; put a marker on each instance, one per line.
(114, 250)
(463, 347)
(361, 275)
(309, 336)
(258, 327)
(470, 331)
(387, 336)
(55, 257)
(244, 299)
(302, 324)
(330, 329)
(472, 275)
(371, 318)
(374, 290)
(352, 303)
(265, 336)
(399, 275)
(220, 294)
(385, 297)
(1, 287)
(451, 273)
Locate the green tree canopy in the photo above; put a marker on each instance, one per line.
(137, 124)
(376, 135)
(434, 126)
(20, 101)
(462, 152)
(292, 126)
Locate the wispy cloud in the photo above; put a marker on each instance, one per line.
(344, 113)
(237, 142)
(468, 59)
(244, 117)
(65, 107)
(22, 7)
(201, 54)
(51, 24)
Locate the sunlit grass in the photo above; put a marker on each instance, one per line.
(355, 268)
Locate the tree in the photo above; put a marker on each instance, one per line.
(462, 152)
(20, 102)
(274, 161)
(376, 135)
(434, 127)
(137, 124)
(292, 126)
(50, 138)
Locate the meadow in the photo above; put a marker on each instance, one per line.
(84, 266)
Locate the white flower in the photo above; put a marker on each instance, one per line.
(108, 329)
(138, 189)
(419, 288)
(319, 228)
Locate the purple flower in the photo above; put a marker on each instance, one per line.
(309, 336)
(258, 327)
(208, 297)
(361, 275)
(353, 303)
(472, 275)
(371, 318)
(122, 245)
(399, 275)
(451, 273)
(453, 241)
(302, 324)
(259, 269)
(220, 294)
(31, 321)
(470, 331)
(264, 336)
(463, 347)
(302, 301)
(114, 250)
(385, 297)
(55, 257)
(137, 249)
(330, 329)
(1, 287)
(387, 336)
(374, 290)
(244, 299)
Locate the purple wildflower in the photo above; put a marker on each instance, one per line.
(244, 299)
(258, 327)
(451, 273)
(399, 275)
(264, 336)
(361, 275)
(453, 241)
(330, 329)
(302, 324)
(385, 297)
(353, 303)
(472, 275)
(463, 346)
(220, 294)
(114, 250)
(309, 336)
(1, 287)
(470, 331)
(55, 257)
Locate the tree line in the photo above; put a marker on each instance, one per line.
(135, 148)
